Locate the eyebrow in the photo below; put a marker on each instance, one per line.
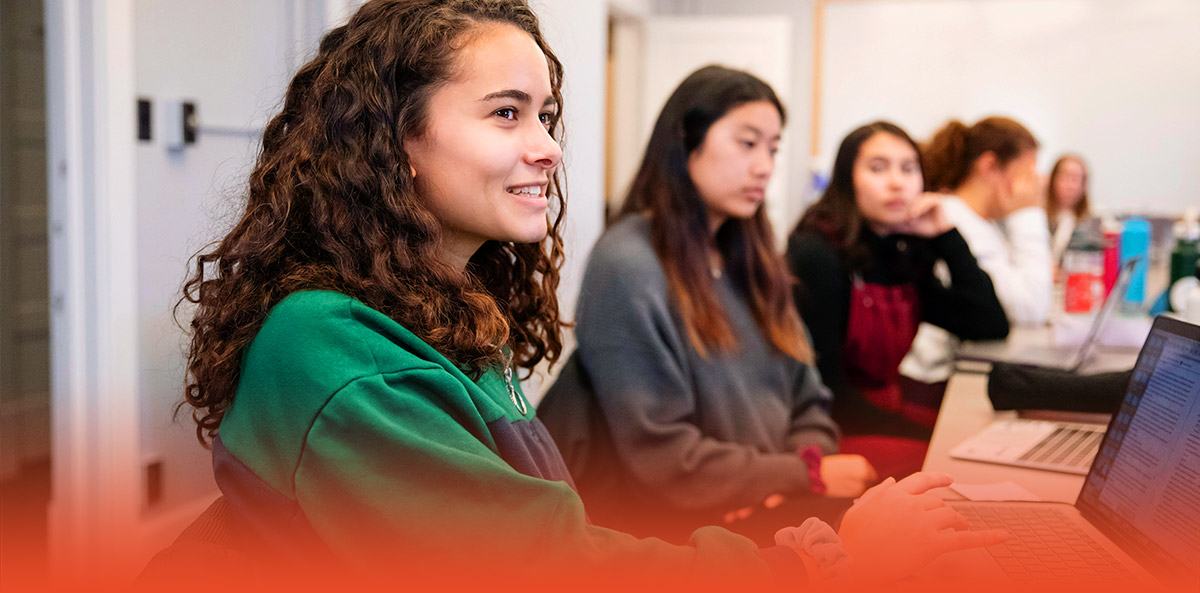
(515, 95)
(748, 127)
(888, 159)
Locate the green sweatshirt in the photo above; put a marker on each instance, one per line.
(351, 435)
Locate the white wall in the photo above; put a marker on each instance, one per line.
(1114, 80)
(233, 59)
(577, 31)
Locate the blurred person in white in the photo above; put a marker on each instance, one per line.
(995, 198)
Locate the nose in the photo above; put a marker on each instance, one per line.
(543, 150)
(763, 165)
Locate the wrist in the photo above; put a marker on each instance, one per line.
(811, 456)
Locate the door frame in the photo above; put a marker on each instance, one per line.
(95, 476)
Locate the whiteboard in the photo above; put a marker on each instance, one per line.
(1117, 81)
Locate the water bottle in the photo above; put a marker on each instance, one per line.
(1192, 309)
(1083, 264)
(1135, 242)
(1187, 247)
(1112, 255)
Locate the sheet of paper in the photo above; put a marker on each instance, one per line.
(999, 491)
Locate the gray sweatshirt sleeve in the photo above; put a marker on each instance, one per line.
(633, 352)
(811, 422)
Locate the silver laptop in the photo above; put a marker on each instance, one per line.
(1068, 358)
(1137, 517)
(1038, 444)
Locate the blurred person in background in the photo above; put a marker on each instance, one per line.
(996, 202)
(1066, 201)
(689, 344)
(864, 255)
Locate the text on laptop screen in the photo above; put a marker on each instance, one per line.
(1144, 485)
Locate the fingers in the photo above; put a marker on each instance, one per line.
(928, 501)
(922, 481)
(738, 514)
(876, 491)
(922, 206)
(949, 541)
(872, 473)
(947, 518)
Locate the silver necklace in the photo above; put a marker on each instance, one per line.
(512, 391)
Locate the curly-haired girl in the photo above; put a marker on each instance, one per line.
(356, 334)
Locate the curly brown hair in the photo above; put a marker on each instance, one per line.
(332, 205)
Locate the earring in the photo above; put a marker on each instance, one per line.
(412, 171)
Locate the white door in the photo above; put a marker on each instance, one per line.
(673, 47)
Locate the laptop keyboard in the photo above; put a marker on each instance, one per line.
(1066, 447)
(1045, 544)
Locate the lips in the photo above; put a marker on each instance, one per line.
(530, 195)
(528, 191)
(755, 193)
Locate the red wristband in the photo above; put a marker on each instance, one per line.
(811, 455)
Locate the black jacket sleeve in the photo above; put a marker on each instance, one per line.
(822, 296)
(968, 308)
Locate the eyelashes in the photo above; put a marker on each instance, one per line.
(547, 118)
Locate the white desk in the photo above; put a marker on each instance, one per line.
(966, 409)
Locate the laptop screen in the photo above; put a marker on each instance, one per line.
(1143, 489)
(1115, 296)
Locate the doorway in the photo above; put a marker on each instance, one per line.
(24, 296)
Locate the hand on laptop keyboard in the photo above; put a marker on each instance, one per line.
(896, 528)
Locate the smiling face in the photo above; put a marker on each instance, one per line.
(484, 161)
(887, 178)
(733, 164)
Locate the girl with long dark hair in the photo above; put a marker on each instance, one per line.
(864, 254)
(688, 339)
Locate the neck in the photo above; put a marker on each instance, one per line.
(974, 194)
(714, 223)
(879, 229)
(457, 251)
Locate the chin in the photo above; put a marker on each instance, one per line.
(530, 235)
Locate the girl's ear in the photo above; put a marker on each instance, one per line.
(412, 171)
(985, 164)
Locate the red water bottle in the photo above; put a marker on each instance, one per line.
(1112, 252)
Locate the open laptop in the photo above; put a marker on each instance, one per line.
(1137, 517)
(1067, 358)
(1037, 444)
